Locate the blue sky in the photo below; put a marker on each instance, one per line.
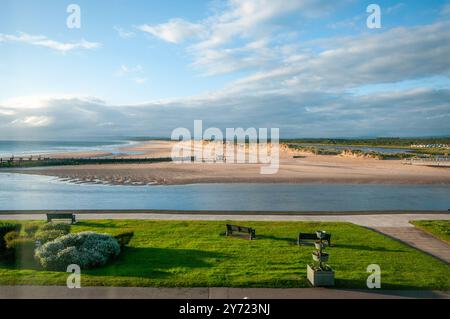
(311, 68)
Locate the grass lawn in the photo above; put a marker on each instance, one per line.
(198, 254)
(438, 228)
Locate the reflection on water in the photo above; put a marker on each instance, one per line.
(20, 192)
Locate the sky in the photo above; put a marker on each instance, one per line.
(311, 68)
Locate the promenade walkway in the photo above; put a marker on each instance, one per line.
(59, 292)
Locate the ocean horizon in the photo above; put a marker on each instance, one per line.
(40, 147)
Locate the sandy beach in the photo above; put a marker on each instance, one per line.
(307, 169)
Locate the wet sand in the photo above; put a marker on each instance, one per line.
(308, 169)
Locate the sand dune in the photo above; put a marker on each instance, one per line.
(308, 169)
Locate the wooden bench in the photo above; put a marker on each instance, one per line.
(62, 216)
(240, 229)
(304, 238)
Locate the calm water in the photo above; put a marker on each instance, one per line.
(20, 148)
(40, 192)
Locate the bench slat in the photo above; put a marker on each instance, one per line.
(62, 216)
(240, 229)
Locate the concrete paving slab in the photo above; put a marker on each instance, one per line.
(418, 239)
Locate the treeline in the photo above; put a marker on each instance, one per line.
(373, 154)
(381, 141)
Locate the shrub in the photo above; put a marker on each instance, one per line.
(31, 230)
(10, 237)
(55, 226)
(124, 238)
(51, 231)
(4, 229)
(49, 235)
(22, 249)
(86, 249)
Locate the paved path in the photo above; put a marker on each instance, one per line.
(419, 240)
(58, 292)
(372, 220)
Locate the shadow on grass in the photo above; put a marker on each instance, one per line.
(21, 263)
(289, 240)
(157, 263)
(140, 262)
(96, 225)
(369, 248)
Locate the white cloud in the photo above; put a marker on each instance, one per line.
(33, 121)
(354, 22)
(43, 101)
(247, 18)
(173, 31)
(301, 114)
(394, 8)
(249, 23)
(302, 91)
(43, 41)
(7, 112)
(124, 34)
(239, 35)
(140, 80)
(132, 73)
(125, 70)
(396, 55)
(445, 9)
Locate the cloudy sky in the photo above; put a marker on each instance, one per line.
(309, 67)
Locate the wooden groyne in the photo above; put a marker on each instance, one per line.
(19, 162)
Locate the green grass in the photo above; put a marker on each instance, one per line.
(198, 254)
(438, 228)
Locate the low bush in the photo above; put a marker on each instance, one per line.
(124, 238)
(86, 249)
(55, 226)
(4, 229)
(51, 231)
(10, 237)
(49, 235)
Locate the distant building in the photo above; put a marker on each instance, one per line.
(430, 146)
